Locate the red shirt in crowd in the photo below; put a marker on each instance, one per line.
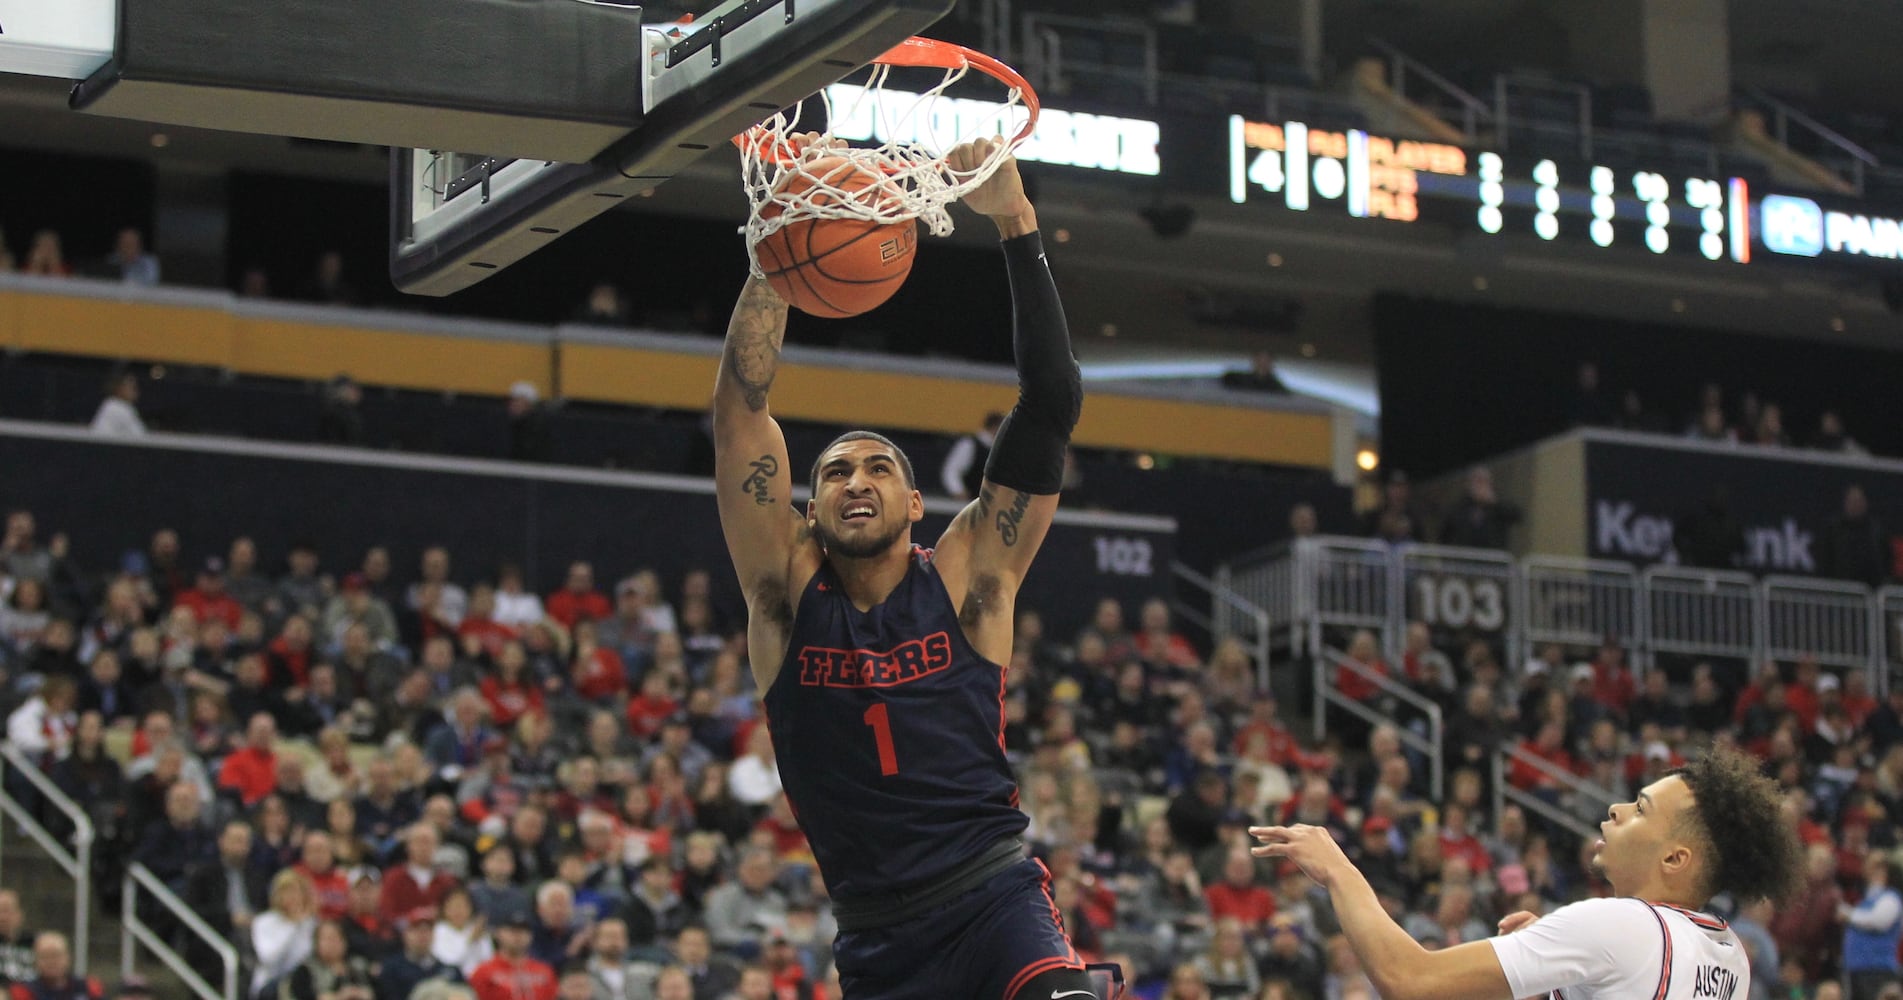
(646, 714)
(1355, 686)
(509, 701)
(492, 634)
(1803, 701)
(523, 979)
(287, 667)
(1282, 744)
(568, 607)
(402, 893)
(251, 772)
(1526, 777)
(600, 676)
(1613, 686)
(206, 607)
(333, 891)
(1253, 905)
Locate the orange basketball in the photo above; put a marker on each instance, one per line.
(836, 267)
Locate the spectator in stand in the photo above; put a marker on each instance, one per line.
(606, 306)
(1710, 425)
(340, 412)
(1633, 416)
(512, 974)
(1830, 436)
(461, 938)
(327, 284)
(415, 963)
(1398, 518)
(1807, 924)
(281, 937)
(21, 555)
(712, 975)
(44, 256)
(331, 972)
(300, 592)
(357, 604)
(452, 601)
(739, 912)
(1855, 546)
(251, 770)
(118, 413)
(1160, 645)
(1352, 679)
(516, 607)
(23, 619)
(1258, 377)
(317, 863)
(612, 973)
(173, 848)
(16, 942)
(1481, 519)
(53, 977)
(1427, 669)
(1106, 629)
(417, 883)
(1873, 928)
(578, 597)
(1612, 682)
(228, 891)
(1769, 428)
(1239, 896)
(655, 910)
(130, 262)
(529, 439)
(965, 461)
(1588, 407)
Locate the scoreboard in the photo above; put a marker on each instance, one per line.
(1366, 176)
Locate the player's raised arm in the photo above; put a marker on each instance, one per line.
(989, 547)
(752, 478)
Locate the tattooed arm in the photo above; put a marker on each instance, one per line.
(766, 536)
(988, 549)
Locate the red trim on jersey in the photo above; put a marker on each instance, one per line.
(1665, 966)
(1057, 918)
(1029, 972)
(1704, 920)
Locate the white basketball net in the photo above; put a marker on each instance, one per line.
(914, 133)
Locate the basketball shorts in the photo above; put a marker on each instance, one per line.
(984, 945)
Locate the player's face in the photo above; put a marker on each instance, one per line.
(861, 505)
(1638, 836)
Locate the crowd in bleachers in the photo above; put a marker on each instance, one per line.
(371, 779)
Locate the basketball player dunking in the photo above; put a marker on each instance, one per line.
(879, 662)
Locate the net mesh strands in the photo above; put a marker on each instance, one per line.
(914, 134)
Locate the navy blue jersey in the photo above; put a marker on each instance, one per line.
(889, 732)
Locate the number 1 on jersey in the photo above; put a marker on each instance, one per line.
(882, 732)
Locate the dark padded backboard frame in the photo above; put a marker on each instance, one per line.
(737, 80)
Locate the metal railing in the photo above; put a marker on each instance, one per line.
(1700, 612)
(1783, 116)
(1833, 622)
(1473, 110)
(137, 932)
(1308, 587)
(1042, 37)
(1576, 602)
(1574, 787)
(1507, 86)
(75, 862)
(1327, 661)
(1230, 616)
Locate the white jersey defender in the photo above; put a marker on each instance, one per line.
(1597, 949)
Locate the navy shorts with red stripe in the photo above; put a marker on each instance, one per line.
(984, 945)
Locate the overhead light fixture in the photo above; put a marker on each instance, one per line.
(1366, 459)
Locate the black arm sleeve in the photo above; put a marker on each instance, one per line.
(1028, 455)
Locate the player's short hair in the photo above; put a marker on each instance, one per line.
(905, 464)
(1752, 853)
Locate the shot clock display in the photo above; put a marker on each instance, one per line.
(1368, 176)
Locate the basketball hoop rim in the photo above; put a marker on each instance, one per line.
(926, 53)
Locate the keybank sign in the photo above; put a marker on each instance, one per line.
(1621, 529)
(1800, 227)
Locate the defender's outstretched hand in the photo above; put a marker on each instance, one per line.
(1311, 847)
(1518, 920)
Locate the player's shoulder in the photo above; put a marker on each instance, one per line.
(1622, 912)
